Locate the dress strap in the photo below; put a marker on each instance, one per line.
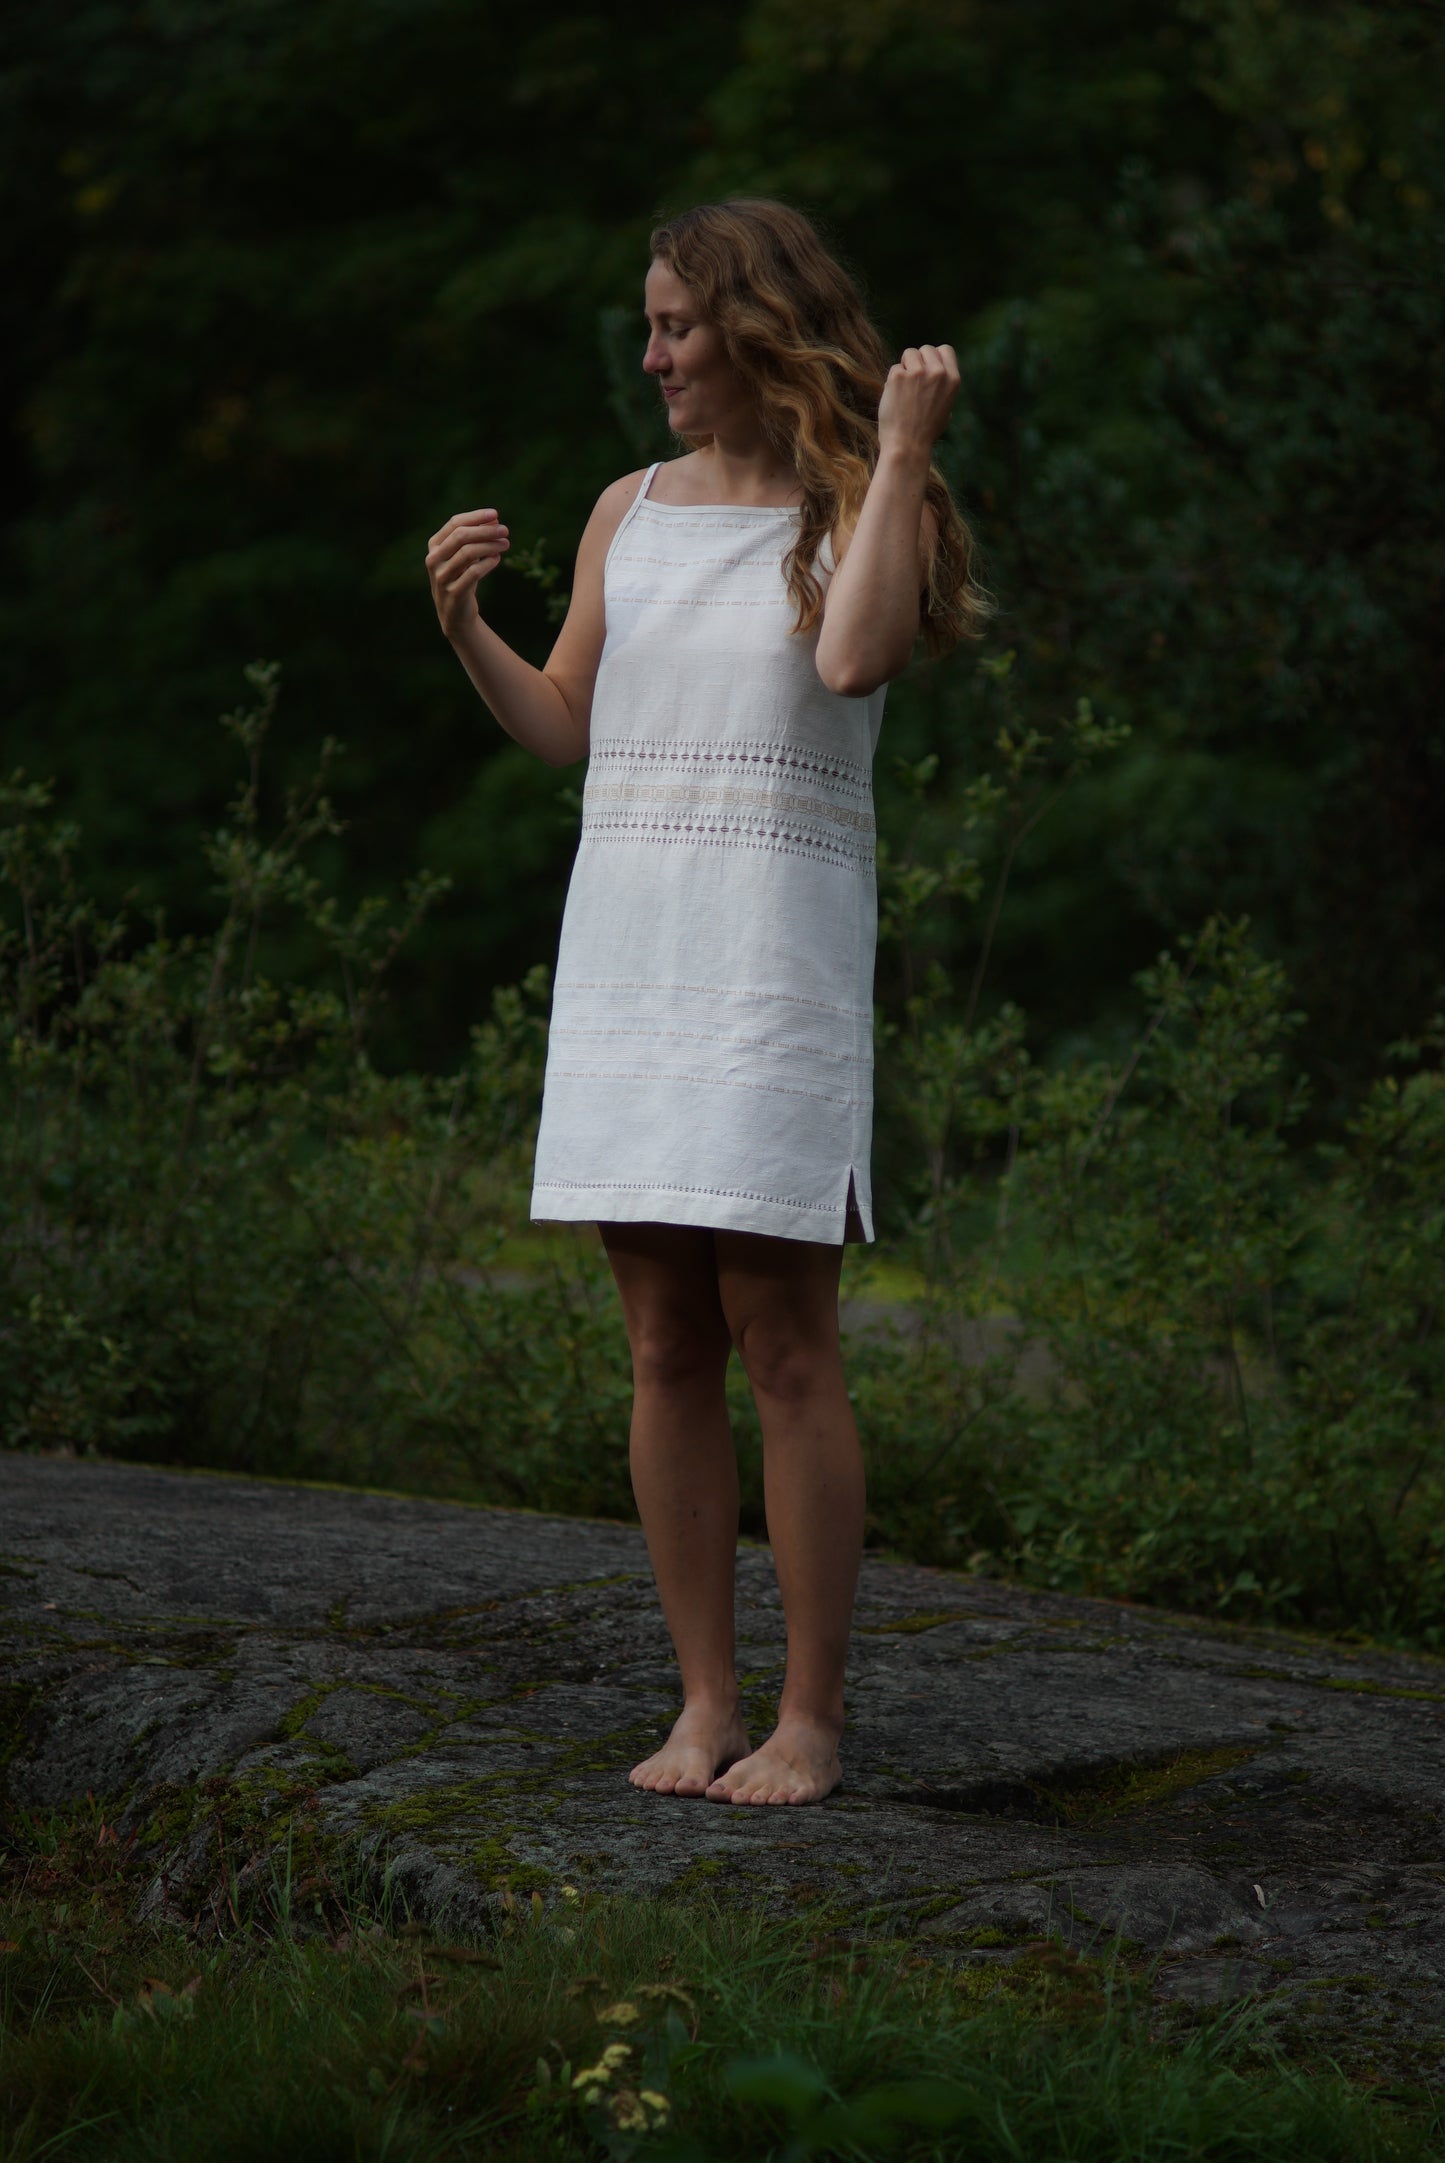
(631, 512)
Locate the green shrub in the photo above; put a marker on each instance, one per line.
(229, 1240)
(1152, 1345)
(1236, 1392)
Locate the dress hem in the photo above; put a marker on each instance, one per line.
(711, 1212)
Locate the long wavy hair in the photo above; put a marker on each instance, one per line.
(795, 327)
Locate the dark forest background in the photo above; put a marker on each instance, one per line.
(287, 285)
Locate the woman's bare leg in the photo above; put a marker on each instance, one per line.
(780, 1297)
(685, 1478)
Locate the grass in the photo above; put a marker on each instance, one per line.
(321, 2022)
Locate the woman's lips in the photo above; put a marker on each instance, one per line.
(672, 390)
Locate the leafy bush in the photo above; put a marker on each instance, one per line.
(1234, 1386)
(230, 1240)
(1164, 1349)
(1154, 1346)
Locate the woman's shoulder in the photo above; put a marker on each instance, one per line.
(618, 497)
(608, 512)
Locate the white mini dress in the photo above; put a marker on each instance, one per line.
(710, 1060)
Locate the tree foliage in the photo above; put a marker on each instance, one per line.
(286, 287)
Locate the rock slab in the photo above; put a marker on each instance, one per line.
(460, 1692)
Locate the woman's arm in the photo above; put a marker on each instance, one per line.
(547, 710)
(871, 613)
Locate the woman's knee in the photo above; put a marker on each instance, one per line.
(676, 1351)
(788, 1358)
(666, 1278)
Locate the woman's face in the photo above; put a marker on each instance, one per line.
(700, 386)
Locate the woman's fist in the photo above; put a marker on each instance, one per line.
(918, 398)
(458, 558)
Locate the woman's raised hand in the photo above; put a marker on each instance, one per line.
(458, 558)
(918, 398)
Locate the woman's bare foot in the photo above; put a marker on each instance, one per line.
(705, 1741)
(797, 1764)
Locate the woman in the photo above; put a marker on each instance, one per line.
(737, 615)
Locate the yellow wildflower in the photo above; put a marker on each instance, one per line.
(628, 2114)
(594, 2076)
(620, 2015)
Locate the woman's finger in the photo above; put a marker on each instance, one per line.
(479, 560)
(466, 580)
(479, 537)
(475, 526)
(462, 522)
(470, 575)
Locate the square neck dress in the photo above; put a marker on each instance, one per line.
(710, 1057)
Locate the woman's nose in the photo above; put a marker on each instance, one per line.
(654, 360)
